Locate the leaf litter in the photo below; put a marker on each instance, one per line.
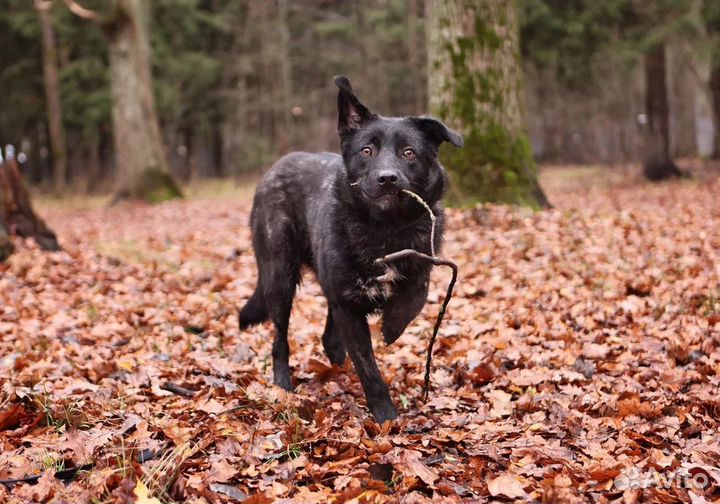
(581, 346)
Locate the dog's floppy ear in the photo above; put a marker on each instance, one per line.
(437, 131)
(351, 113)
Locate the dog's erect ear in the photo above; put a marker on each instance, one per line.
(351, 113)
(437, 131)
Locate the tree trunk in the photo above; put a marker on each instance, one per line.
(416, 70)
(16, 213)
(235, 128)
(715, 93)
(285, 119)
(475, 83)
(658, 164)
(52, 95)
(142, 171)
(6, 246)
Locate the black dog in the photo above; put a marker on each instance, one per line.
(337, 215)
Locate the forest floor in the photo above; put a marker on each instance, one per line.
(579, 360)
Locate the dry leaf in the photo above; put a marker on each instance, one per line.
(586, 343)
(142, 494)
(507, 485)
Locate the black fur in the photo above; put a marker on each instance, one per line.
(337, 214)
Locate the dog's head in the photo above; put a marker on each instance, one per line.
(386, 155)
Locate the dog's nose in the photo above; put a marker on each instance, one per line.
(387, 178)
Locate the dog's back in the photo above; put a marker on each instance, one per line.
(295, 183)
(287, 202)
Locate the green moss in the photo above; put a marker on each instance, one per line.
(159, 186)
(495, 165)
(153, 185)
(485, 35)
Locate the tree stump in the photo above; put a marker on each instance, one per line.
(17, 217)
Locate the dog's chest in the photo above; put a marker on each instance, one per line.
(379, 287)
(378, 283)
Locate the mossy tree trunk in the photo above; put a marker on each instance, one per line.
(475, 83)
(658, 164)
(142, 170)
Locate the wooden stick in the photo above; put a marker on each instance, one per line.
(410, 253)
(417, 198)
(65, 474)
(436, 261)
(177, 389)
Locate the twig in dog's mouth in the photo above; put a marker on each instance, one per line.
(417, 198)
(412, 253)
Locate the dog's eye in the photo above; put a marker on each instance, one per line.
(366, 151)
(409, 154)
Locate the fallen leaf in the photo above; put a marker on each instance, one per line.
(142, 494)
(507, 485)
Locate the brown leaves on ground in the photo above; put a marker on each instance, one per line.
(579, 356)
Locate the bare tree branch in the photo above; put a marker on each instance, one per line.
(81, 11)
(43, 5)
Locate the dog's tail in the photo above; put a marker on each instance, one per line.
(255, 310)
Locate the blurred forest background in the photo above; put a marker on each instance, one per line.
(237, 83)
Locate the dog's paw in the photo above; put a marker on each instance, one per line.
(336, 355)
(383, 411)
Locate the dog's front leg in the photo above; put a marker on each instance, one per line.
(356, 335)
(406, 302)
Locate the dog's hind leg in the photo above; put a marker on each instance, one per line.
(332, 341)
(255, 310)
(281, 273)
(279, 293)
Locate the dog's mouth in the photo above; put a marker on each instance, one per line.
(387, 200)
(383, 195)
(388, 195)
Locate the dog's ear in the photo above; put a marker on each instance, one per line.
(437, 132)
(351, 113)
